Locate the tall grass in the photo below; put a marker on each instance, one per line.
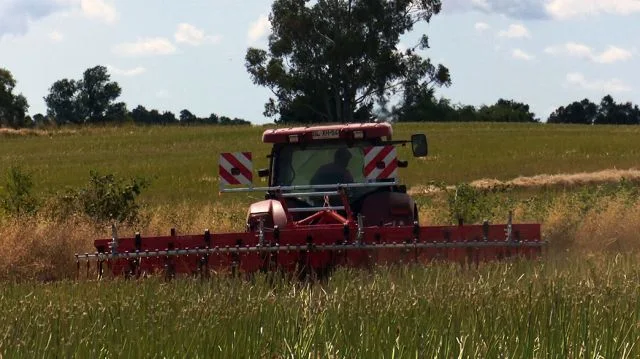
(579, 308)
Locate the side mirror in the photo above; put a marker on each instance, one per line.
(263, 172)
(419, 145)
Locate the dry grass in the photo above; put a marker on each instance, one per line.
(43, 250)
(566, 180)
(10, 132)
(613, 228)
(563, 179)
(39, 249)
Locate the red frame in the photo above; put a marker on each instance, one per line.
(465, 244)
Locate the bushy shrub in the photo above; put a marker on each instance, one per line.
(469, 204)
(104, 200)
(16, 197)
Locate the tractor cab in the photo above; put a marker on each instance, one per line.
(351, 168)
(334, 155)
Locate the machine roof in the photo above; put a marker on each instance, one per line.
(325, 132)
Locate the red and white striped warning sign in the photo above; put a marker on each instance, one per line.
(380, 162)
(235, 168)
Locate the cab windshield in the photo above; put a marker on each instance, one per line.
(319, 164)
(322, 163)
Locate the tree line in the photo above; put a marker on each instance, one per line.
(92, 100)
(89, 100)
(606, 112)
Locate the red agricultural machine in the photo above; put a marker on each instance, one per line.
(332, 199)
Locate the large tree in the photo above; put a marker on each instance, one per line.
(98, 93)
(507, 111)
(334, 60)
(90, 99)
(583, 112)
(62, 102)
(13, 107)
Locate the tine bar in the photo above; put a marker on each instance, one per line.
(278, 248)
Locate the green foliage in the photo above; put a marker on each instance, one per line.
(143, 116)
(330, 62)
(13, 107)
(17, 199)
(98, 93)
(424, 107)
(469, 204)
(109, 199)
(507, 111)
(90, 99)
(588, 198)
(607, 112)
(105, 199)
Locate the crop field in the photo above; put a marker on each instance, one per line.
(182, 162)
(580, 300)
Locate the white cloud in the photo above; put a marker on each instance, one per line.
(128, 73)
(515, 31)
(565, 9)
(516, 9)
(142, 47)
(521, 55)
(55, 36)
(482, 26)
(99, 9)
(544, 9)
(259, 28)
(613, 85)
(613, 54)
(571, 49)
(191, 35)
(609, 56)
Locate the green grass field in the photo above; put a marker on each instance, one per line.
(581, 300)
(182, 162)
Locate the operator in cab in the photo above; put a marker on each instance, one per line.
(336, 171)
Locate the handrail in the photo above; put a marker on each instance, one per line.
(309, 194)
(316, 209)
(303, 187)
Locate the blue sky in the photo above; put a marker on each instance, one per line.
(172, 55)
